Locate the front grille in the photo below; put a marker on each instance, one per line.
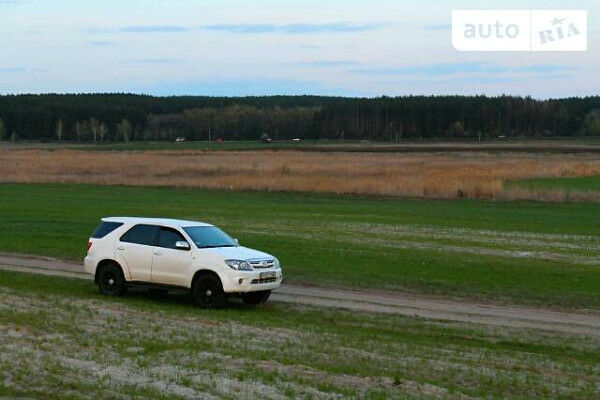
(262, 264)
(265, 280)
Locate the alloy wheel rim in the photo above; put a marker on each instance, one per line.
(110, 282)
(207, 296)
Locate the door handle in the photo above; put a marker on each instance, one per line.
(120, 247)
(157, 253)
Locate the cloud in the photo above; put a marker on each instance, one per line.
(333, 27)
(101, 43)
(142, 29)
(152, 61)
(438, 27)
(154, 28)
(482, 80)
(464, 67)
(12, 69)
(243, 87)
(544, 68)
(339, 27)
(333, 63)
(242, 28)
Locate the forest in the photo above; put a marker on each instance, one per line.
(126, 117)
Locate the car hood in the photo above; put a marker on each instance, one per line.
(239, 253)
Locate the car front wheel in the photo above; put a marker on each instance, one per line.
(208, 292)
(256, 297)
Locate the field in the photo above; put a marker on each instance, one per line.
(516, 231)
(421, 175)
(507, 252)
(557, 145)
(580, 184)
(60, 339)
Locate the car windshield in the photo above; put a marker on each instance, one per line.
(209, 236)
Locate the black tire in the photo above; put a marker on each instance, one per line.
(208, 292)
(254, 298)
(111, 281)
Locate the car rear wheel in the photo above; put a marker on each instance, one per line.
(111, 281)
(208, 292)
(256, 297)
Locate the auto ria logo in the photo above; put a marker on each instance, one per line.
(519, 30)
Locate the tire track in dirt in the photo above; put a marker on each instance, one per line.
(376, 302)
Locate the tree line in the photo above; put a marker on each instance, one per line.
(124, 117)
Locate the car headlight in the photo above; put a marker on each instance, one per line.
(276, 264)
(239, 265)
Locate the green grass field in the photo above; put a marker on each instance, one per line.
(587, 183)
(508, 252)
(59, 339)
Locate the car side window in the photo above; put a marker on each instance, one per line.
(141, 234)
(105, 228)
(167, 238)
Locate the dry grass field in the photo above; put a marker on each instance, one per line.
(429, 175)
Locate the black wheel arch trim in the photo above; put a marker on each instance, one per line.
(203, 272)
(104, 262)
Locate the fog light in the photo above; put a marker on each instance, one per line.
(240, 281)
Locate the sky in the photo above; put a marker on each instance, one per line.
(238, 48)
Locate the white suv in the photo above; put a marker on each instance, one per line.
(168, 254)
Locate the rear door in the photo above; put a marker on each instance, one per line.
(170, 265)
(135, 247)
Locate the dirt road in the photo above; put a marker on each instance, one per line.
(365, 301)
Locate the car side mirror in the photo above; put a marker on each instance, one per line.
(182, 245)
(236, 241)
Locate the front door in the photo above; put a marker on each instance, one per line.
(170, 265)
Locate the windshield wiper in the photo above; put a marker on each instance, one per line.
(215, 246)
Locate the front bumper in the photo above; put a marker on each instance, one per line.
(251, 281)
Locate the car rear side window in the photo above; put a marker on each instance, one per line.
(141, 234)
(105, 228)
(167, 238)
